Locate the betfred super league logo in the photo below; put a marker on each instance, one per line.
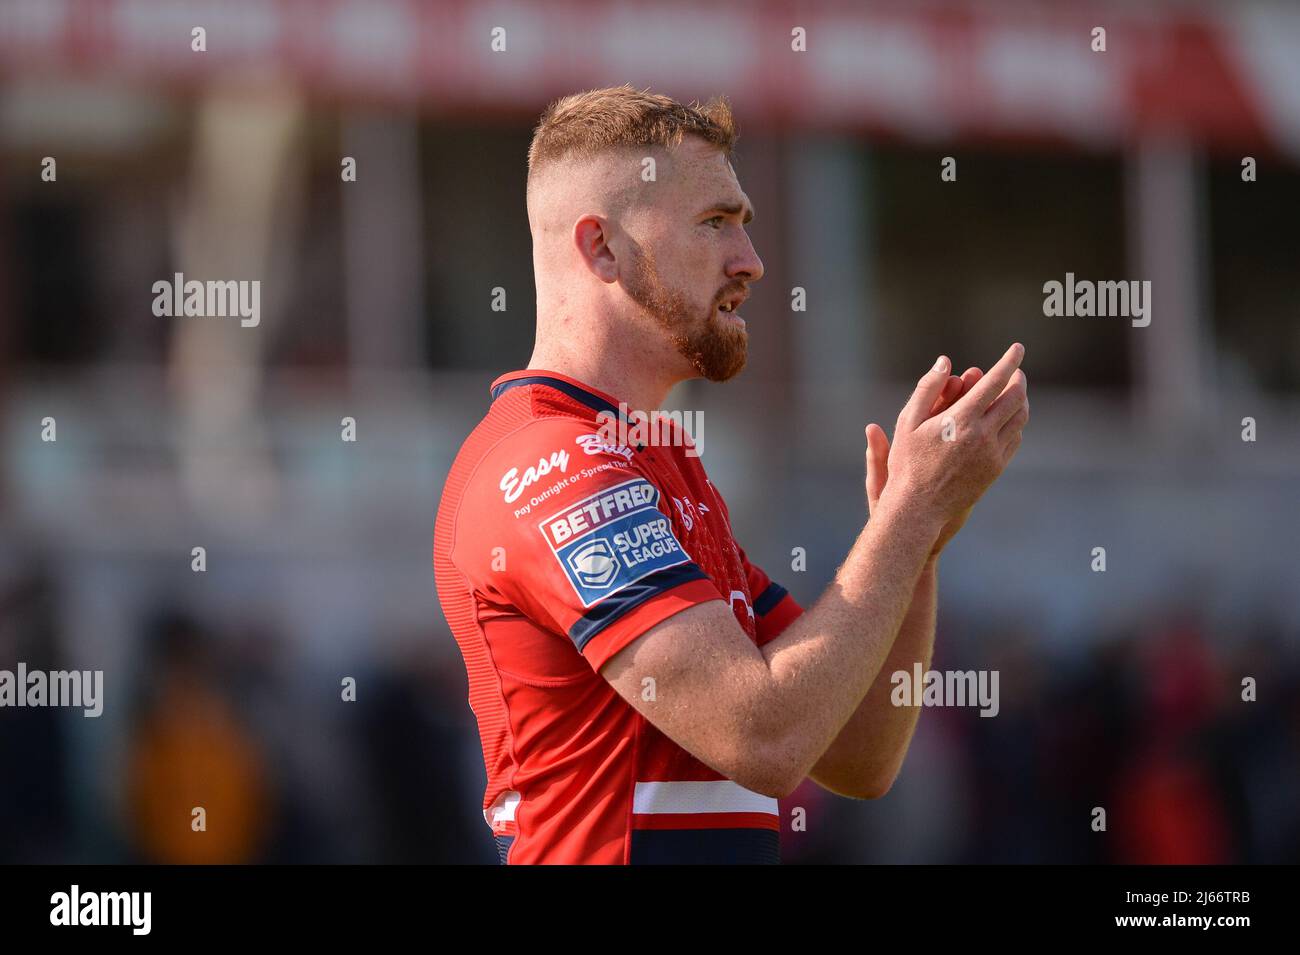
(594, 565)
(612, 539)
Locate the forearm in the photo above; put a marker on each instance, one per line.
(823, 665)
(866, 755)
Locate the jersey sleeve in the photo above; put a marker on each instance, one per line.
(774, 608)
(568, 530)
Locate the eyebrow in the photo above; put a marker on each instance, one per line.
(731, 209)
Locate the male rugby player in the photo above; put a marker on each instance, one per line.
(644, 693)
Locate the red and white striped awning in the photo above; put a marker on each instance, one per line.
(1228, 74)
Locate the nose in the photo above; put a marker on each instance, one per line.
(745, 265)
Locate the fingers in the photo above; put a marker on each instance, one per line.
(1011, 434)
(877, 461)
(1014, 397)
(952, 390)
(990, 386)
(1015, 424)
(923, 398)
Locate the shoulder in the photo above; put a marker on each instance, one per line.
(514, 471)
(568, 526)
(511, 478)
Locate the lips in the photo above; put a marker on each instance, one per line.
(732, 302)
(728, 313)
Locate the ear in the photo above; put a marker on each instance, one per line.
(591, 238)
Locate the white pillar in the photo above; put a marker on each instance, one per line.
(1166, 246)
(831, 256)
(383, 250)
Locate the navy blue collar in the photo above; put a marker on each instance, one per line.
(591, 400)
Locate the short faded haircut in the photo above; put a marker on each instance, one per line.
(584, 124)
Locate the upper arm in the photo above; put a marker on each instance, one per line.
(700, 680)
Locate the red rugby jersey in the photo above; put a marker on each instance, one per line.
(553, 550)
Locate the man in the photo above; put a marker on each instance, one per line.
(643, 692)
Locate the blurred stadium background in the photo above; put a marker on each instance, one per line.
(1119, 689)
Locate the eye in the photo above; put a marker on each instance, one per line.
(717, 219)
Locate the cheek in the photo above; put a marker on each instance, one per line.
(706, 269)
(690, 270)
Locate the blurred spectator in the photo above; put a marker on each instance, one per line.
(36, 823)
(189, 750)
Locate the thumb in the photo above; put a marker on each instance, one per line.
(923, 398)
(877, 461)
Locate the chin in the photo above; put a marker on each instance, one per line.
(723, 371)
(728, 375)
(717, 352)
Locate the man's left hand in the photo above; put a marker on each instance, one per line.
(878, 452)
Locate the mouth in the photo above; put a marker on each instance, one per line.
(728, 309)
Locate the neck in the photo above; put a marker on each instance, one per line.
(628, 370)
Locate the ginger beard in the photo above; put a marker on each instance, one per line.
(715, 349)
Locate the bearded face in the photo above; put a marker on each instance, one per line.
(715, 344)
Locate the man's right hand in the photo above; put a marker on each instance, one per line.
(942, 465)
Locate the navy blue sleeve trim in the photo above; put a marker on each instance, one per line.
(769, 598)
(629, 598)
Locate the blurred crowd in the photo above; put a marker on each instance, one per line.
(1147, 722)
